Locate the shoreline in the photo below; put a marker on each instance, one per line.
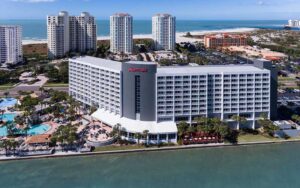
(179, 35)
(144, 150)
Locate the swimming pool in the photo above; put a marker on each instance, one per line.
(7, 102)
(8, 117)
(34, 130)
(39, 129)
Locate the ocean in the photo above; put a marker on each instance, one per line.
(256, 166)
(36, 29)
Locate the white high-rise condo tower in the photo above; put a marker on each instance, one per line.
(71, 33)
(58, 35)
(83, 33)
(164, 31)
(121, 33)
(11, 44)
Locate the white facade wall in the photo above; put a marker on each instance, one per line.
(121, 40)
(185, 97)
(164, 31)
(11, 44)
(95, 86)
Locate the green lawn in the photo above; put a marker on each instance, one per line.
(255, 138)
(114, 148)
(56, 85)
(286, 79)
(7, 86)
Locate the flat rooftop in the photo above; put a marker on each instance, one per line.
(98, 62)
(210, 69)
(188, 69)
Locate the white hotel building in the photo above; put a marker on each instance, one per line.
(144, 96)
(121, 40)
(11, 44)
(164, 31)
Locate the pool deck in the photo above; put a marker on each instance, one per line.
(53, 126)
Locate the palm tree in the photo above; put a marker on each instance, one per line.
(41, 89)
(296, 118)
(6, 94)
(10, 128)
(182, 128)
(5, 144)
(14, 145)
(77, 107)
(138, 136)
(145, 136)
(116, 132)
(26, 129)
(2, 115)
(239, 119)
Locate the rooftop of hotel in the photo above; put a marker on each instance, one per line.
(209, 69)
(93, 61)
(188, 69)
(226, 35)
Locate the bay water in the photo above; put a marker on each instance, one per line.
(256, 166)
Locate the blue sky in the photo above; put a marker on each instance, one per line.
(144, 9)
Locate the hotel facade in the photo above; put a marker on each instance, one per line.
(11, 44)
(164, 31)
(121, 39)
(70, 33)
(224, 40)
(144, 96)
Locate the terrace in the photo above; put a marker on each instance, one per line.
(201, 138)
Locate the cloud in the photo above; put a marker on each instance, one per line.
(34, 1)
(261, 3)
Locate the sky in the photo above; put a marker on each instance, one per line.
(144, 9)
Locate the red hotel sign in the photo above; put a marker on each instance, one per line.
(138, 70)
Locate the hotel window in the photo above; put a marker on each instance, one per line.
(137, 94)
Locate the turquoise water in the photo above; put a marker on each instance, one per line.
(7, 102)
(39, 129)
(8, 117)
(34, 130)
(36, 29)
(264, 166)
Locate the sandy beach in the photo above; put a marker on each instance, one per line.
(179, 35)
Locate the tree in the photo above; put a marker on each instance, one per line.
(182, 128)
(2, 115)
(6, 145)
(116, 132)
(26, 129)
(267, 125)
(191, 129)
(239, 119)
(138, 136)
(145, 136)
(6, 94)
(66, 135)
(10, 128)
(296, 118)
